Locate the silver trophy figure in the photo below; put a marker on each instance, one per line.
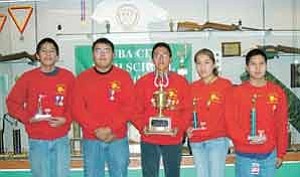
(42, 114)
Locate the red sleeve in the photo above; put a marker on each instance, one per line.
(127, 104)
(138, 120)
(233, 130)
(68, 111)
(282, 126)
(17, 99)
(185, 108)
(79, 110)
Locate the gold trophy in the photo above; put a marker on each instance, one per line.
(42, 114)
(160, 124)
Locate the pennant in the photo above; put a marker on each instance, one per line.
(21, 25)
(2, 21)
(83, 15)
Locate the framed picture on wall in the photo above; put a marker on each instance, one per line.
(295, 75)
(231, 49)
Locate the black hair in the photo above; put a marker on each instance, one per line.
(104, 41)
(47, 40)
(162, 44)
(210, 55)
(255, 52)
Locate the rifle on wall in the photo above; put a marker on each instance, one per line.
(192, 26)
(272, 50)
(18, 56)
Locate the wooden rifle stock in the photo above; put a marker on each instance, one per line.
(192, 26)
(17, 56)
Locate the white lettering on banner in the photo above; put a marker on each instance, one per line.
(123, 53)
(143, 53)
(140, 67)
(133, 53)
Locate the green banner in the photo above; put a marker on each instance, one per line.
(136, 58)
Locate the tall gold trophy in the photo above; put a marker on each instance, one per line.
(160, 124)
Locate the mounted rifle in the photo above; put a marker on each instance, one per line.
(18, 56)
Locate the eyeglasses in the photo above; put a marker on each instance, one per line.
(161, 55)
(102, 50)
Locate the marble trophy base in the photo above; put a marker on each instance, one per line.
(41, 117)
(160, 126)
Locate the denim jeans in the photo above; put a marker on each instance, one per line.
(171, 156)
(210, 157)
(255, 167)
(50, 158)
(96, 153)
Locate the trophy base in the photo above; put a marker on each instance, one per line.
(259, 138)
(154, 131)
(160, 125)
(42, 117)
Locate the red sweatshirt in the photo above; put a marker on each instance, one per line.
(178, 91)
(210, 108)
(22, 101)
(272, 116)
(103, 100)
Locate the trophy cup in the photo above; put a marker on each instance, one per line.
(197, 124)
(160, 124)
(182, 70)
(42, 114)
(255, 138)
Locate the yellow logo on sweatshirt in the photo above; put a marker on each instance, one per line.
(60, 89)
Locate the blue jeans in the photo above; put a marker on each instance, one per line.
(210, 157)
(255, 167)
(50, 158)
(171, 156)
(115, 154)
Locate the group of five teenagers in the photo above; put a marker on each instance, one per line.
(104, 99)
(257, 121)
(40, 99)
(102, 104)
(208, 140)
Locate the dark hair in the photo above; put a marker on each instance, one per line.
(162, 44)
(255, 52)
(47, 40)
(104, 41)
(210, 55)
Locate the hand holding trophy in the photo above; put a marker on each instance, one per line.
(160, 124)
(255, 138)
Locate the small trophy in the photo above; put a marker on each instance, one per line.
(182, 70)
(42, 114)
(160, 124)
(254, 137)
(197, 124)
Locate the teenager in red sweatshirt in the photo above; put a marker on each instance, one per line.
(40, 99)
(176, 92)
(257, 121)
(207, 136)
(103, 102)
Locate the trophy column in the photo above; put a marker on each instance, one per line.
(197, 124)
(255, 138)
